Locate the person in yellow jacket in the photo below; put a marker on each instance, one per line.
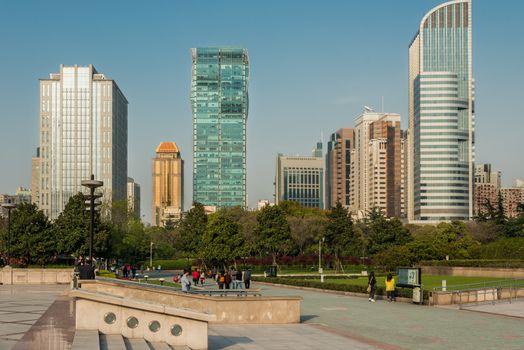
(390, 287)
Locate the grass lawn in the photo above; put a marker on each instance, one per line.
(429, 282)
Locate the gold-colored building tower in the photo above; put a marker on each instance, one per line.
(168, 184)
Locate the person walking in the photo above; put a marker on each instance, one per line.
(247, 278)
(202, 278)
(221, 280)
(186, 284)
(390, 287)
(372, 285)
(196, 276)
(238, 279)
(227, 279)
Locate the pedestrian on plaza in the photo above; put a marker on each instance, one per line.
(227, 279)
(202, 278)
(372, 285)
(86, 272)
(238, 279)
(247, 278)
(221, 280)
(186, 284)
(233, 274)
(196, 276)
(390, 287)
(133, 271)
(125, 274)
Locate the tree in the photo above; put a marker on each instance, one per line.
(339, 234)
(222, 241)
(32, 240)
(72, 230)
(383, 233)
(273, 231)
(191, 230)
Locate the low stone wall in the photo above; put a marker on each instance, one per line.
(494, 272)
(474, 296)
(10, 275)
(228, 310)
(141, 319)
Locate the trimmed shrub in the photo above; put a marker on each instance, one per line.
(504, 263)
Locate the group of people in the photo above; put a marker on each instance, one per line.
(390, 287)
(129, 271)
(233, 279)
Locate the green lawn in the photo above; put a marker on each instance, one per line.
(429, 282)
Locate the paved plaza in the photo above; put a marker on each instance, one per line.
(41, 317)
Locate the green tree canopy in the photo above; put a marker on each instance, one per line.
(32, 241)
(191, 230)
(273, 232)
(383, 233)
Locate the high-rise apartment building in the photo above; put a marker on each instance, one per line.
(219, 102)
(83, 131)
(21, 196)
(168, 184)
(301, 179)
(441, 116)
(133, 197)
(511, 198)
(376, 165)
(338, 167)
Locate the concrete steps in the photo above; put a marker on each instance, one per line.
(93, 340)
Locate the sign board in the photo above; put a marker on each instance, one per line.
(409, 277)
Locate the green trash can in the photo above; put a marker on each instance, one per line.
(271, 271)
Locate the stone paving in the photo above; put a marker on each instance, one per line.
(513, 309)
(20, 307)
(407, 326)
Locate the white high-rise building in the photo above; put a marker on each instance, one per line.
(441, 116)
(83, 131)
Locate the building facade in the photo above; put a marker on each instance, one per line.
(376, 165)
(83, 131)
(338, 167)
(168, 184)
(300, 179)
(21, 196)
(219, 103)
(133, 197)
(441, 116)
(35, 177)
(511, 198)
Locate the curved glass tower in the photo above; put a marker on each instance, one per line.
(441, 116)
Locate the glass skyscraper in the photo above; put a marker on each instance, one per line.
(441, 116)
(83, 131)
(219, 102)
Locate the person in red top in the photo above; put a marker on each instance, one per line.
(196, 276)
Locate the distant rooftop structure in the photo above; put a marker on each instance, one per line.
(167, 147)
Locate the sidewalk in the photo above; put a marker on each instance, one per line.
(20, 307)
(405, 326)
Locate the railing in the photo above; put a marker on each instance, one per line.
(488, 291)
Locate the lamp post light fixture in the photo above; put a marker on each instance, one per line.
(320, 241)
(92, 184)
(9, 206)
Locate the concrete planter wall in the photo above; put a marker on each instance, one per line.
(10, 275)
(244, 310)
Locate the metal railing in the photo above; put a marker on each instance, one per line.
(488, 291)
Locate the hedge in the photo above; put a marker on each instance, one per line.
(401, 292)
(176, 264)
(475, 263)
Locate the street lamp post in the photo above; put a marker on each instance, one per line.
(9, 206)
(92, 184)
(151, 255)
(320, 270)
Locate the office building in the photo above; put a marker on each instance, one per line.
(338, 167)
(83, 131)
(133, 198)
(441, 116)
(21, 196)
(511, 198)
(300, 179)
(219, 103)
(376, 165)
(168, 184)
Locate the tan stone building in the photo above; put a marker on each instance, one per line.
(376, 165)
(168, 170)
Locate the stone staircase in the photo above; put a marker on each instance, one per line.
(93, 340)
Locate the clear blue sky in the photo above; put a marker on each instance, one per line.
(314, 64)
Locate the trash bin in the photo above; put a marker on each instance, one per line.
(271, 271)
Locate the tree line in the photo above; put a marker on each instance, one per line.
(232, 234)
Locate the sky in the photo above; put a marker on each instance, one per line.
(314, 65)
